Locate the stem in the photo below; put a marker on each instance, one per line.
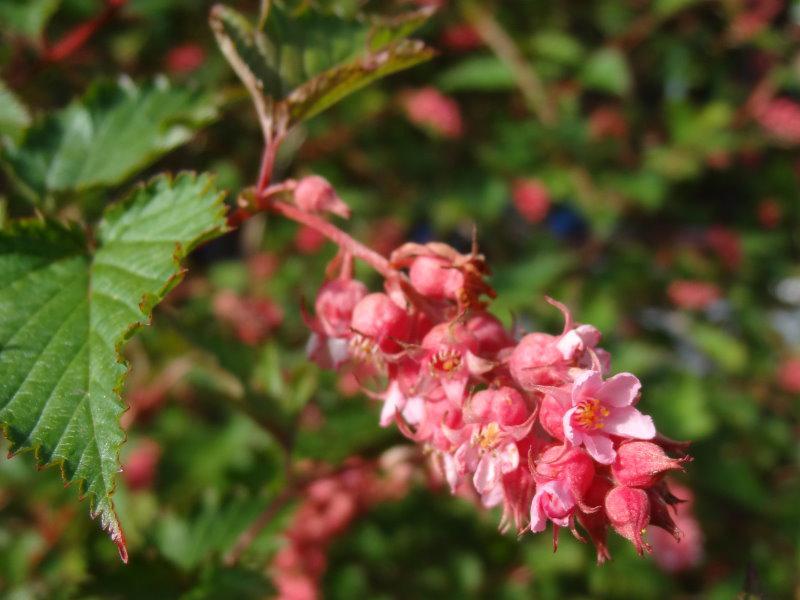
(74, 39)
(249, 535)
(504, 47)
(337, 236)
(267, 164)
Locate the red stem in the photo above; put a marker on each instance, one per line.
(337, 236)
(267, 164)
(74, 39)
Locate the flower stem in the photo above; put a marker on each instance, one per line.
(337, 236)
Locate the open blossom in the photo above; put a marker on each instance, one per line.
(533, 424)
(601, 409)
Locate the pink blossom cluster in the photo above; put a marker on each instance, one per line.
(330, 504)
(535, 424)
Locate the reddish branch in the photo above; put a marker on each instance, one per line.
(77, 37)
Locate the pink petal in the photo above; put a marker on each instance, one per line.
(600, 448)
(589, 334)
(538, 518)
(450, 472)
(586, 385)
(485, 475)
(508, 458)
(629, 422)
(570, 434)
(620, 390)
(493, 496)
(414, 412)
(454, 389)
(569, 344)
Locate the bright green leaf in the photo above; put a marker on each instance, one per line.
(101, 139)
(329, 87)
(607, 71)
(478, 73)
(14, 116)
(26, 17)
(66, 309)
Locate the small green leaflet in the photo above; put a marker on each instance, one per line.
(101, 139)
(301, 65)
(67, 307)
(14, 116)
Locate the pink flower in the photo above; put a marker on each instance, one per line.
(726, 244)
(789, 375)
(628, 510)
(641, 464)
(542, 359)
(780, 117)
(563, 479)
(139, 470)
(185, 58)
(604, 408)
(451, 359)
(552, 501)
(769, 213)
(497, 420)
(531, 199)
(315, 194)
(693, 295)
(429, 108)
(378, 319)
(335, 303)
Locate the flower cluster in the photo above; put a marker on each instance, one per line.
(330, 505)
(535, 424)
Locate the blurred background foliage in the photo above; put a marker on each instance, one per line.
(662, 140)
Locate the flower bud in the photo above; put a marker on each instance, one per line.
(316, 194)
(532, 360)
(574, 467)
(335, 303)
(628, 510)
(641, 464)
(551, 416)
(380, 319)
(504, 406)
(531, 199)
(435, 277)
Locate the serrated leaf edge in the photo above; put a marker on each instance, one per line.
(110, 523)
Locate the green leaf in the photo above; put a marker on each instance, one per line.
(101, 139)
(302, 64)
(329, 87)
(66, 309)
(214, 530)
(607, 71)
(478, 73)
(248, 51)
(26, 17)
(14, 116)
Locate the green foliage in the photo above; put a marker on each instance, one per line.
(60, 366)
(301, 65)
(106, 136)
(14, 116)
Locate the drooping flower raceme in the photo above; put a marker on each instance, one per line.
(535, 423)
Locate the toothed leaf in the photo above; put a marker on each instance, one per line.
(104, 137)
(66, 309)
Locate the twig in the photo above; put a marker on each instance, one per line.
(504, 47)
(336, 235)
(75, 39)
(249, 535)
